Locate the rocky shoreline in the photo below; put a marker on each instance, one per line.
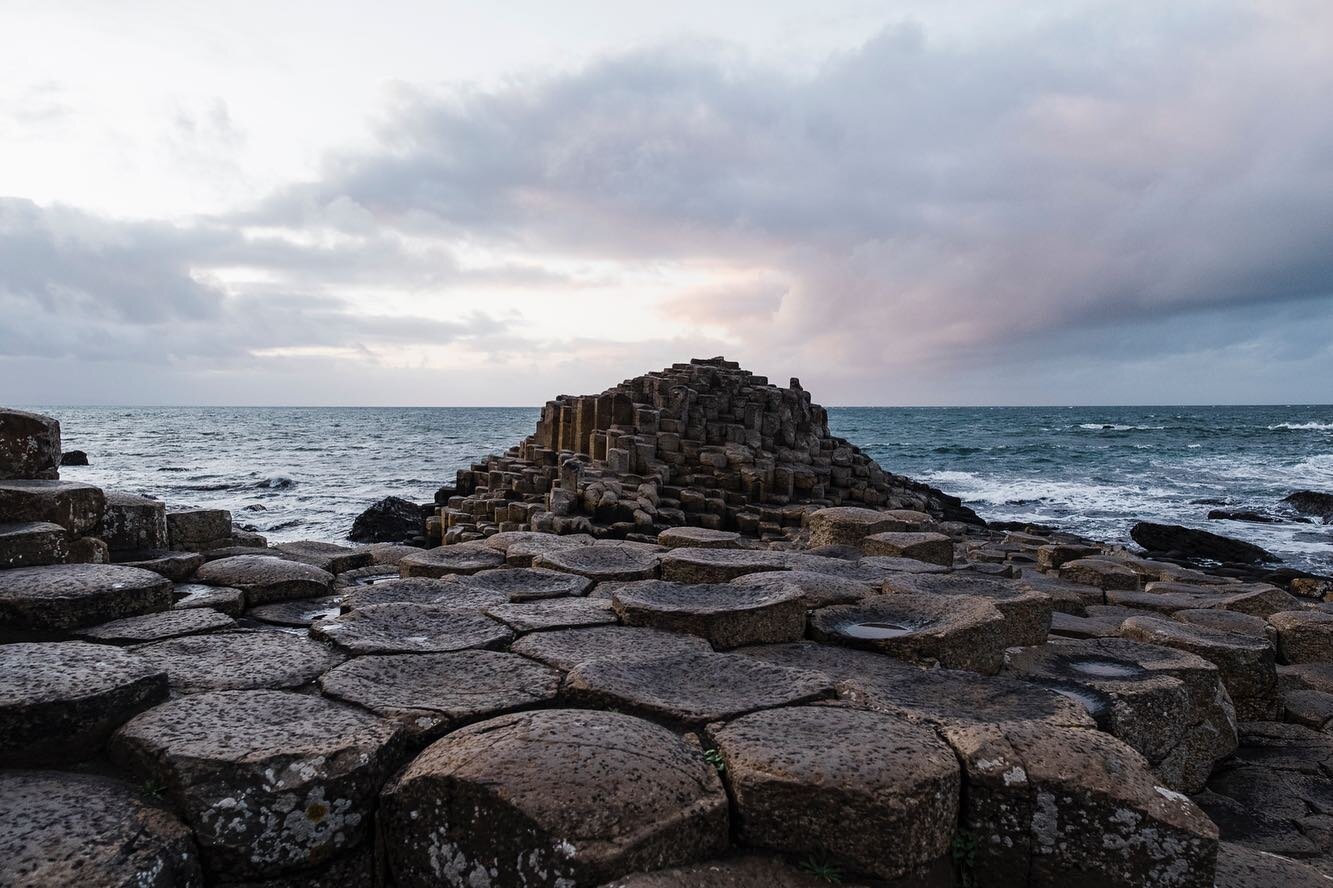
(679, 636)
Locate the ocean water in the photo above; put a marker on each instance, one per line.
(305, 473)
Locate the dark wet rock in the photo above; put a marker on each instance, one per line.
(360, 577)
(957, 631)
(60, 700)
(88, 550)
(270, 781)
(527, 584)
(131, 522)
(74, 506)
(796, 792)
(1311, 502)
(29, 445)
(1026, 612)
(391, 520)
(553, 798)
(725, 614)
(1313, 709)
(443, 591)
(1246, 515)
(232, 551)
(326, 556)
(411, 629)
(198, 530)
(693, 688)
(1306, 676)
(567, 648)
(553, 613)
(60, 829)
(1192, 543)
(32, 543)
(816, 589)
(158, 627)
(1168, 704)
(602, 563)
(932, 548)
(239, 661)
(1066, 597)
(1244, 663)
(175, 566)
(699, 538)
(693, 565)
(220, 598)
(1241, 867)
(265, 579)
(299, 611)
(61, 597)
(1101, 573)
(464, 558)
(1303, 636)
(431, 694)
(746, 871)
(74, 458)
(352, 870)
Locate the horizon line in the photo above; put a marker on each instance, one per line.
(183, 406)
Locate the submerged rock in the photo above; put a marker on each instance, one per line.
(1311, 502)
(1192, 543)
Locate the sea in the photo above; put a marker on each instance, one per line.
(306, 472)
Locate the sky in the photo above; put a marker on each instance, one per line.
(459, 203)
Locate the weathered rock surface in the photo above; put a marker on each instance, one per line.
(699, 538)
(239, 661)
(391, 520)
(527, 584)
(956, 632)
(1241, 867)
(75, 829)
(59, 701)
(266, 579)
(32, 543)
(328, 557)
(1311, 502)
(1303, 636)
(602, 563)
(429, 694)
(882, 800)
(1026, 612)
(61, 597)
(29, 445)
(411, 629)
(270, 782)
(445, 560)
(816, 589)
(131, 522)
(555, 798)
(198, 530)
(567, 648)
(1190, 543)
(443, 591)
(223, 599)
(300, 612)
(932, 548)
(157, 627)
(747, 871)
(692, 565)
(75, 507)
(727, 615)
(553, 613)
(175, 566)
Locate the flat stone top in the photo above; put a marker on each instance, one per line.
(854, 515)
(75, 829)
(243, 571)
(443, 591)
(699, 536)
(601, 562)
(1227, 621)
(816, 589)
(700, 599)
(48, 488)
(27, 528)
(765, 559)
(696, 687)
(908, 612)
(410, 628)
(458, 558)
(32, 674)
(540, 761)
(553, 613)
(525, 583)
(749, 871)
(239, 660)
(1152, 657)
(155, 627)
(1299, 619)
(506, 538)
(1165, 631)
(63, 582)
(957, 583)
(566, 648)
(299, 611)
(241, 727)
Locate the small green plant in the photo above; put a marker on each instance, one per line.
(153, 787)
(963, 850)
(822, 868)
(714, 758)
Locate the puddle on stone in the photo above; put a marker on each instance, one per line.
(875, 630)
(1095, 704)
(375, 581)
(1105, 668)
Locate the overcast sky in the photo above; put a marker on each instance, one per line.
(494, 203)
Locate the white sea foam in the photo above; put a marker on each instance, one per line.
(1119, 427)
(1304, 426)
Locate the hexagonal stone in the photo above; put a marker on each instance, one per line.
(693, 688)
(175, 566)
(725, 614)
(74, 506)
(1069, 626)
(1241, 867)
(220, 598)
(460, 558)
(132, 522)
(60, 700)
(553, 613)
(1026, 612)
(521, 547)
(239, 661)
(932, 548)
(32, 543)
(444, 591)
(1099, 572)
(552, 798)
(1258, 600)
(1228, 621)
(60, 597)
(848, 525)
(700, 537)
(29, 444)
(1067, 597)
(817, 589)
(956, 631)
(1164, 602)
(157, 627)
(694, 565)
(411, 629)
(191, 529)
(300, 612)
(265, 579)
(1244, 663)
(1313, 709)
(527, 584)
(369, 575)
(326, 556)
(1307, 676)
(598, 563)
(431, 694)
(567, 648)
(871, 569)
(798, 793)
(1303, 636)
(1168, 704)
(270, 781)
(745, 871)
(78, 829)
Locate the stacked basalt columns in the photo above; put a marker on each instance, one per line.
(703, 444)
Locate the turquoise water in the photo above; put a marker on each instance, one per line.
(1094, 470)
